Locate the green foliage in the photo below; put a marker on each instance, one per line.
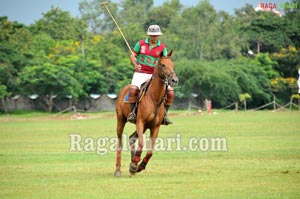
(243, 97)
(59, 25)
(208, 37)
(48, 81)
(283, 88)
(3, 91)
(268, 66)
(96, 16)
(211, 50)
(12, 57)
(163, 15)
(135, 11)
(266, 32)
(295, 96)
(288, 60)
(208, 79)
(90, 75)
(293, 17)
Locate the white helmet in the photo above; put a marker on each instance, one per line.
(154, 30)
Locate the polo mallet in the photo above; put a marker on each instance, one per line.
(105, 5)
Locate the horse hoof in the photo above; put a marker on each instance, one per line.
(133, 168)
(117, 173)
(131, 174)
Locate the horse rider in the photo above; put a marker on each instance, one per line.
(145, 55)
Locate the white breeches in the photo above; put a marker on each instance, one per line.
(139, 78)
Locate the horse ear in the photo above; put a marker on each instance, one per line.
(168, 55)
(161, 54)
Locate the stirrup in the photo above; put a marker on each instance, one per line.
(131, 117)
(166, 121)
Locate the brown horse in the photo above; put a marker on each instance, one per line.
(150, 113)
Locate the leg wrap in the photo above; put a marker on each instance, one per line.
(143, 164)
(170, 96)
(137, 156)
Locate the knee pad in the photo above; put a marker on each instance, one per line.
(170, 96)
(133, 92)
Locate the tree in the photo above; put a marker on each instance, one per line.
(162, 15)
(227, 44)
(293, 17)
(195, 27)
(267, 65)
(41, 46)
(12, 58)
(243, 98)
(60, 25)
(288, 60)
(223, 80)
(11, 63)
(284, 88)
(96, 16)
(207, 80)
(116, 67)
(3, 95)
(266, 32)
(201, 33)
(49, 81)
(208, 46)
(135, 11)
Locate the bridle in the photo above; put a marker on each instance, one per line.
(166, 78)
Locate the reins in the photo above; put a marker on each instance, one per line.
(166, 84)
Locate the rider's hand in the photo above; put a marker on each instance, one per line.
(138, 67)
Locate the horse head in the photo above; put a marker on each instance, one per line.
(166, 70)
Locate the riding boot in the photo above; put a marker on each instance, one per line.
(168, 103)
(133, 93)
(132, 116)
(166, 120)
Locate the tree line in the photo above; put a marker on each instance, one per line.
(217, 55)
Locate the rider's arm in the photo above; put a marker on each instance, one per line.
(133, 58)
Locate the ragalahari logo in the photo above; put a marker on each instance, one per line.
(275, 7)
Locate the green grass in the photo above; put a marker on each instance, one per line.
(262, 161)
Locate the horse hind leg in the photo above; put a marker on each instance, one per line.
(120, 127)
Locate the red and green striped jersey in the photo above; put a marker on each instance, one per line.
(149, 56)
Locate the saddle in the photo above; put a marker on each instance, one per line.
(143, 90)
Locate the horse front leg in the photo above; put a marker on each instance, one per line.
(153, 136)
(132, 140)
(120, 127)
(136, 154)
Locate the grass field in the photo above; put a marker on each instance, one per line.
(262, 160)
